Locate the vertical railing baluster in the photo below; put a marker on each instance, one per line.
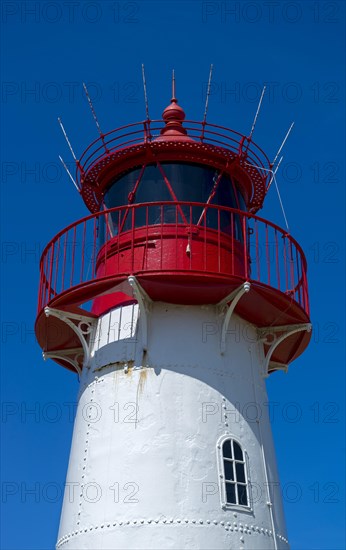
(218, 240)
(146, 249)
(93, 259)
(133, 213)
(64, 263)
(73, 253)
(232, 242)
(51, 270)
(57, 267)
(83, 253)
(46, 277)
(176, 237)
(190, 213)
(305, 290)
(277, 259)
(285, 262)
(161, 233)
(246, 259)
(298, 284)
(292, 266)
(267, 255)
(39, 304)
(119, 230)
(205, 239)
(257, 252)
(105, 244)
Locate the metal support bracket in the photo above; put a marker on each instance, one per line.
(288, 330)
(234, 298)
(66, 354)
(82, 329)
(144, 302)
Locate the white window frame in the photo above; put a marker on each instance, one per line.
(222, 477)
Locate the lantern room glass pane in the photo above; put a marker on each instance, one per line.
(171, 182)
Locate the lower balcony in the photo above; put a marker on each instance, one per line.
(184, 253)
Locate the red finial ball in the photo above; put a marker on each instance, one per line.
(173, 112)
(173, 116)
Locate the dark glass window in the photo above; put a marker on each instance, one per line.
(230, 492)
(181, 182)
(238, 453)
(236, 491)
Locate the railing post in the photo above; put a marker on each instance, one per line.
(277, 259)
(267, 254)
(82, 252)
(132, 239)
(51, 270)
(258, 252)
(73, 253)
(246, 259)
(64, 263)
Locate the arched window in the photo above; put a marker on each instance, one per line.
(234, 474)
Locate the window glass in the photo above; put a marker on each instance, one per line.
(227, 449)
(239, 467)
(230, 492)
(189, 182)
(234, 475)
(238, 454)
(229, 470)
(242, 496)
(176, 181)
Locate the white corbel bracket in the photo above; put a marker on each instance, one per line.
(82, 329)
(145, 303)
(234, 298)
(68, 355)
(287, 330)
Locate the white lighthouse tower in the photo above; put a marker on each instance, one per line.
(173, 301)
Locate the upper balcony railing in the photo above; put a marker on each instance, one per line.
(183, 238)
(149, 130)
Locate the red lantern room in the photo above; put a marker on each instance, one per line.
(173, 207)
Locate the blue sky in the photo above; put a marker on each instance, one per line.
(49, 49)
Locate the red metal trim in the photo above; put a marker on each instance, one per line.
(130, 145)
(297, 287)
(212, 195)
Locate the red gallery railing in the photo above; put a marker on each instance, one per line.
(149, 130)
(269, 255)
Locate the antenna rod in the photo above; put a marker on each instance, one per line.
(145, 93)
(283, 143)
(92, 109)
(69, 173)
(208, 94)
(257, 112)
(68, 143)
(173, 86)
(274, 173)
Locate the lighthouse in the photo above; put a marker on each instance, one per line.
(173, 301)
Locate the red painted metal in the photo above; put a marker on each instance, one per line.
(160, 249)
(192, 253)
(131, 146)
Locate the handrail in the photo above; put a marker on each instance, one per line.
(200, 132)
(271, 255)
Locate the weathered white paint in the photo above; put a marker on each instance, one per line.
(144, 469)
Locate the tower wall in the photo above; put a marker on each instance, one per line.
(146, 455)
